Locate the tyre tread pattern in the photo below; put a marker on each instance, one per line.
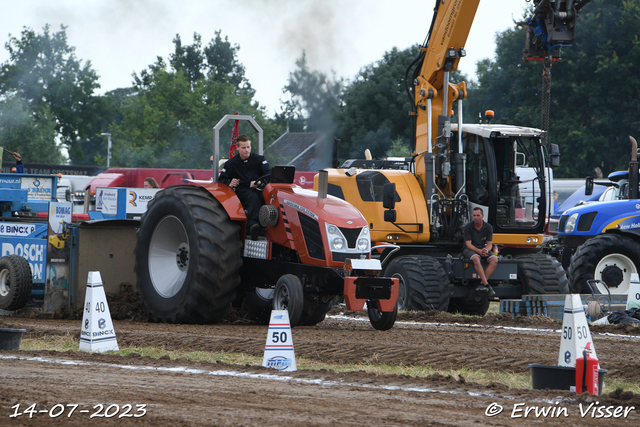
(542, 274)
(380, 320)
(314, 311)
(258, 309)
(426, 283)
(296, 297)
(20, 282)
(216, 276)
(588, 255)
(476, 306)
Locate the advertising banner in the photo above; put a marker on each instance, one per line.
(56, 290)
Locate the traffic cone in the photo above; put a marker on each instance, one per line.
(633, 297)
(575, 332)
(97, 333)
(278, 350)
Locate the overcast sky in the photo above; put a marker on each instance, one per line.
(123, 36)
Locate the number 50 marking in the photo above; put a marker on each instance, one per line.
(279, 337)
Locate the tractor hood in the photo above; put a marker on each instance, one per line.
(595, 218)
(331, 209)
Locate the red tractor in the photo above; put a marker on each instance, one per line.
(192, 260)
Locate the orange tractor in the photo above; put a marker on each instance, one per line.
(192, 260)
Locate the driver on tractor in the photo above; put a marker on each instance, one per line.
(242, 173)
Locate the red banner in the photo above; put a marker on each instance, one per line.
(234, 138)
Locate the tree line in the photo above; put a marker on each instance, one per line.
(164, 119)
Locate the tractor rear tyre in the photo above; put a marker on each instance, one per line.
(258, 304)
(609, 257)
(16, 282)
(380, 320)
(188, 257)
(289, 296)
(542, 274)
(314, 310)
(423, 283)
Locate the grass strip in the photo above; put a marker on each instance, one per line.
(64, 343)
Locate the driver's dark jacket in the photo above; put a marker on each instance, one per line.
(245, 170)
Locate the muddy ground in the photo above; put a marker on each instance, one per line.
(184, 393)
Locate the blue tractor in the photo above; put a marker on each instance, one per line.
(601, 240)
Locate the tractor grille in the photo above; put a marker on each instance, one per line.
(342, 256)
(563, 222)
(585, 221)
(351, 234)
(312, 236)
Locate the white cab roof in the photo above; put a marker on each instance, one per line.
(498, 130)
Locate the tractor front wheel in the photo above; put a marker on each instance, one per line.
(289, 296)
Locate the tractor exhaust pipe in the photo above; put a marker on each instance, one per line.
(633, 170)
(323, 184)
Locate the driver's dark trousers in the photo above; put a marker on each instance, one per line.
(251, 200)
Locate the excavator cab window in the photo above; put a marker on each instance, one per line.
(520, 189)
(370, 186)
(477, 170)
(492, 180)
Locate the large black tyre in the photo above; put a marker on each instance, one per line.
(381, 320)
(258, 304)
(423, 283)
(16, 281)
(314, 310)
(609, 257)
(476, 306)
(188, 257)
(542, 274)
(289, 296)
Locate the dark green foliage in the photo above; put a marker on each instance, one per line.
(376, 108)
(30, 133)
(594, 89)
(54, 87)
(167, 120)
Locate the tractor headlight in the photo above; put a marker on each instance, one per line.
(363, 245)
(364, 240)
(337, 244)
(571, 223)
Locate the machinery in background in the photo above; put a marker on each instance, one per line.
(421, 203)
(601, 240)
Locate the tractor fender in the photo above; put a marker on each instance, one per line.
(632, 233)
(227, 197)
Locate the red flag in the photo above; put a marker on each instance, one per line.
(234, 138)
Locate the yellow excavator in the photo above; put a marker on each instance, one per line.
(416, 207)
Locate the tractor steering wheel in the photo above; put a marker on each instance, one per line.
(262, 182)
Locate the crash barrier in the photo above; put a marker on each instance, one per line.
(552, 305)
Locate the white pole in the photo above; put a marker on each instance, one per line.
(108, 135)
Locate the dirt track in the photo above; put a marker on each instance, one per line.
(179, 392)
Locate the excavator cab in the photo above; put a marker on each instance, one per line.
(492, 180)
